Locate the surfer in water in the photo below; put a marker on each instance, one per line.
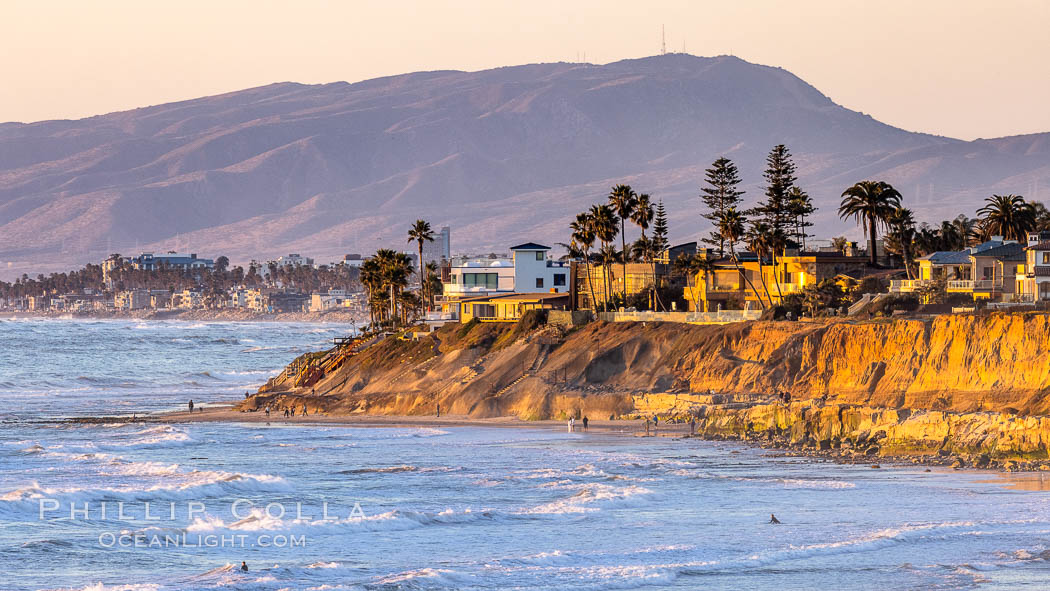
(773, 519)
(244, 566)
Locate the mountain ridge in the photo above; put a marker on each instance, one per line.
(502, 154)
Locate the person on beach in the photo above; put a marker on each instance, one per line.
(585, 423)
(267, 411)
(191, 405)
(773, 519)
(692, 425)
(244, 566)
(647, 426)
(439, 411)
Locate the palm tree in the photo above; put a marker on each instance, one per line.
(758, 242)
(799, 206)
(421, 232)
(609, 256)
(604, 225)
(646, 250)
(432, 285)
(965, 231)
(642, 215)
(731, 228)
(901, 225)
(1009, 216)
(371, 277)
(623, 200)
(870, 203)
(583, 237)
(394, 270)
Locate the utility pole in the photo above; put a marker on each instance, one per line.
(663, 40)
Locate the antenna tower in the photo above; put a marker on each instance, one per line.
(663, 40)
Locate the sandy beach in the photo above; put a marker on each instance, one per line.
(225, 413)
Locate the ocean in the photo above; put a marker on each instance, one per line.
(139, 506)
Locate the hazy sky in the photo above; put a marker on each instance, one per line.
(960, 68)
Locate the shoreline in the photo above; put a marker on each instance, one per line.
(220, 315)
(224, 413)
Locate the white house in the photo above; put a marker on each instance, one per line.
(535, 272)
(529, 270)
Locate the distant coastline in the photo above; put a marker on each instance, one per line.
(218, 315)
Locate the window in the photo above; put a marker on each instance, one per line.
(559, 279)
(485, 280)
(1046, 258)
(989, 273)
(539, 282)
(539, 257)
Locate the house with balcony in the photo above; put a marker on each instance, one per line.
(745, 283)
(986, 271)
(993, 272)
(1033, 279)
(529, 269)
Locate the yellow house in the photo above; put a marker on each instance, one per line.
(509, 307)
(745, 284)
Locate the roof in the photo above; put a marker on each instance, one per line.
(530, 246)
(1004, 251)
(948, 257)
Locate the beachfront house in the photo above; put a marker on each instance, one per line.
(986, 271)
(747, 282)
(1033, 279)
(509, 307)
(529, 269)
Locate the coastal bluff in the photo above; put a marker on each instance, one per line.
(973, 383)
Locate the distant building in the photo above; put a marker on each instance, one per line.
(133, 299)
(440, 249)
(287, 302)
(334, 298)
(295, 260)
(187, 299)
(148, 261)
(353, 260)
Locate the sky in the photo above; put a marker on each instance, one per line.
(960, 68)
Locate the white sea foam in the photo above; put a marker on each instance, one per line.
(589, 497)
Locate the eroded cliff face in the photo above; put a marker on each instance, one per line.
(962, 364)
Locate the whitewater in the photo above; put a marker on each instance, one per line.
(327, 507)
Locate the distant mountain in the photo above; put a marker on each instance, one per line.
(503, 156)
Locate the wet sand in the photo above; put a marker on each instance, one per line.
(226, 414)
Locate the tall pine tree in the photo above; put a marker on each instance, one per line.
(719, 195)
(660, 227)
(775, 212)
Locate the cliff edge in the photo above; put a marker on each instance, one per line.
(983, 364)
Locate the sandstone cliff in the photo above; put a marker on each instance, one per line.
(997, 363)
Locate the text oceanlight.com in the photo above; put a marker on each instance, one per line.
(139, 540)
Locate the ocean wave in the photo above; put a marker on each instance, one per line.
(589, 495)
(103, 587)
(176, 486)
